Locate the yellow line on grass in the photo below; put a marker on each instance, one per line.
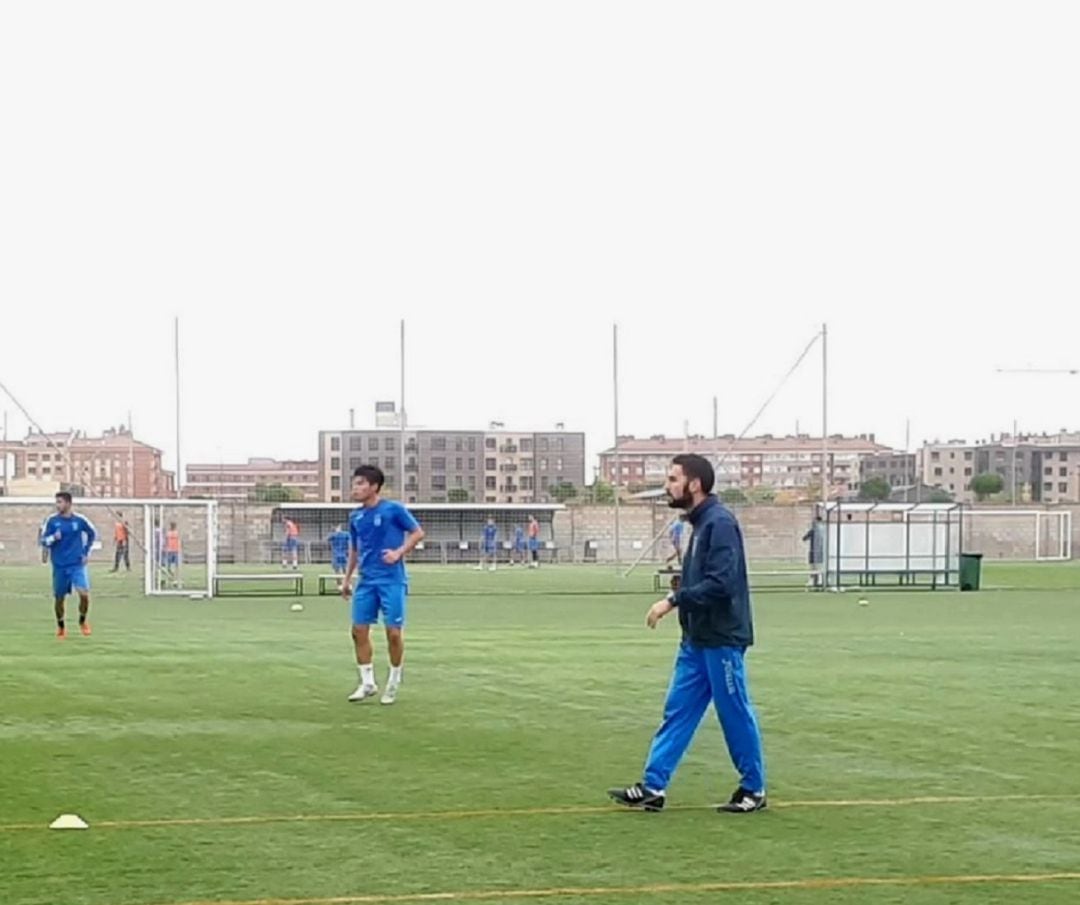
(652, 889)
(488, 813)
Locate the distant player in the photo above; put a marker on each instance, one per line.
(381, 534)
(291, 545)
(534, 542)
(122, 539)
(339, 549)
(488, 545)
(518, 553)
(172, 551)
(675, 535)
(68, 538)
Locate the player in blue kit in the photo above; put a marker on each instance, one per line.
(488, 546)
(381, 534)
(339, 549)
(68, 538)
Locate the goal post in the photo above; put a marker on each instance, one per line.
(187, 570)
(1020, 535)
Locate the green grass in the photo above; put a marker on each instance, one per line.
(520, 695)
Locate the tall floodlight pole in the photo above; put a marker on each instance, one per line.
(176, 367)
(824, 413)
(618, 468)
(401, 418)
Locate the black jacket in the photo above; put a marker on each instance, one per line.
(714, 594)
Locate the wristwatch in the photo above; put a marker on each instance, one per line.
(670, 598)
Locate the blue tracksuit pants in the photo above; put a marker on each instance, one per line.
(704, 674)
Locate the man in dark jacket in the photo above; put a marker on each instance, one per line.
(713, 601)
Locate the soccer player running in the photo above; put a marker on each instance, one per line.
(291, 545)
(68, 538)
(381, 533)
(713, 601)
(339, 549)
(488, 554)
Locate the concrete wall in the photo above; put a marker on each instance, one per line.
(771, 532)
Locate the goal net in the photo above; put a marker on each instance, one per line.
(170, 545)
(1021, 535)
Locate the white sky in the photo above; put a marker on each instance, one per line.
(511, 178)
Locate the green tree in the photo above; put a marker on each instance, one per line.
(876, 489)
(732, 495)
(987, 484)
(940, 496)
(562, 492)
(275, 493)
(457, 495)
(763, 493)
(603, 492)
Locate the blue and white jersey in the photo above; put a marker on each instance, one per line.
(68, 539)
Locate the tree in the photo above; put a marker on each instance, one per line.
(940, 496)
(275, 493)
(602, 492)
(763, 493)
(875, 489)
(457, 495)
(562, 492)
(732, 495)
(987, 484)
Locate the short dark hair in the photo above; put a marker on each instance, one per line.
(695, 466)
(372, 474)
(64, 495)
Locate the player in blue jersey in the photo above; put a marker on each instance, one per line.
(675, 535)
(488, 546)
(339, 549)
(381, 534)
(68, 538)
(519, 546)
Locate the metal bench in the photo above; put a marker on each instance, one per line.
(325, 581)
(294, 580)
(659, 584)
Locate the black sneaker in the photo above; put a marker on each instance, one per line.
(744, 802)
(637, 796)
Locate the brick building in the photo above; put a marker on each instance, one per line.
(224, 481)
(114, 464)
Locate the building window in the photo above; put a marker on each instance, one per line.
(1064, 456)
(388, 462)
(543, 464)
(460, 463)
(1063, 488)
(472, 464)
(373, 444)
(527, 445)
(472, 482)
(489, 464)
(335, 482)
(459, 481)
(935, 456)
(1063, 472)
(438, 443)
(1048, 486)
(1048, 472)
(335, 463)
(374, 461)
(490, 482)
(543, 444)
(558, 464)
(356, 444)
(459, 444)
(472, 444)
(355, 463)
(438, 463)
(967, 472)
(543, 482)
(489, 443)
(335, 444)
(560, 445)
(937, 472)
(526, 482)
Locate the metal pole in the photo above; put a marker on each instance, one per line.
(1016, 442)
(618, 469)
(176, 362)
(401, 419)
(6, 460)
(131, 458)
(824, 412)
(907, 452)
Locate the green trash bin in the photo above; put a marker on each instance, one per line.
(970, 571)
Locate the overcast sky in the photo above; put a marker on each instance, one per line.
(512, 178)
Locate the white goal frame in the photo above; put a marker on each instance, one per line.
(1060, 551)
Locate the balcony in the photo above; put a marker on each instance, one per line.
(509, 448)
(508, 468)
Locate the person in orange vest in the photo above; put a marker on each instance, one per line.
(122, 538)
(172, 549)
(291, 545)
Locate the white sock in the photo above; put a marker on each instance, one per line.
(395, 675)
(367, 674)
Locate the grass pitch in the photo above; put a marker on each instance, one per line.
(921, 749)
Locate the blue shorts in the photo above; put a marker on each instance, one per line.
(489, 549)
(172, 559)
(338, 564)
(291, 543)
(66, 579)
(371, 599)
